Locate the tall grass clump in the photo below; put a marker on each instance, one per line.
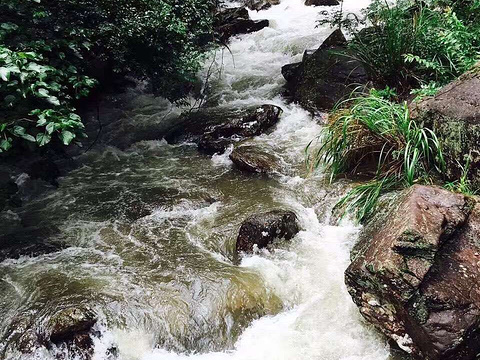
(373, 137)
(415, 43)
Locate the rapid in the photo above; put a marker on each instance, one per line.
(151, 233)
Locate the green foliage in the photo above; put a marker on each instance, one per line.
(52, 52)
(373, 136)
(413, 43)
(44, 93)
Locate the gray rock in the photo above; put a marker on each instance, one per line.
(325, 76)
(215, 129)
(235, 21)
(262, 229)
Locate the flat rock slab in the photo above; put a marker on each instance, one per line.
(415, 273)
(214, 129)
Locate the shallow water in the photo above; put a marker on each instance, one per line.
(151, 233)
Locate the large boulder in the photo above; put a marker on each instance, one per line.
(415, 273)
(252, 159)
(260, 230)
(261, 4)
(215, 129)
(454, 115)
(235, 21)
(321, 2)
(325, 76)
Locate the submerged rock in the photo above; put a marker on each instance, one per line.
(325, 76)
(454, 115)
(262, 229)
(215, 129)
(254, 160)
(321, 2)
(415, 273)
(236, 21)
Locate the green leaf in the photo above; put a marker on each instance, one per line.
(5, 145)
(5, 73)
(18, 130)
(28, 137)
(66, 137)
(50, 128)
(43, 139)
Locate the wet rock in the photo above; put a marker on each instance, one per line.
(209, 144)
(261, 5)
(71, 329)
(71, 324)
(215, 129)
(454, 115)
(262, 229)
(254, 160)
(31, 241)
(415, 272)
(236, 21)
(321, 2)
(325, 76)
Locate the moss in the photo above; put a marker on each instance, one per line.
(419, 310)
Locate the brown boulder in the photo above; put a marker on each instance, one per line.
(252, 159)
(454, 115)
(263, 229)
(415, 273)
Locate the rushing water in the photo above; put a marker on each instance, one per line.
(151, 233)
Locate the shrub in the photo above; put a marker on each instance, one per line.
(51, 51)
(373, 136)
(414, 43)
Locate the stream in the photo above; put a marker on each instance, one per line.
(151, 234)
